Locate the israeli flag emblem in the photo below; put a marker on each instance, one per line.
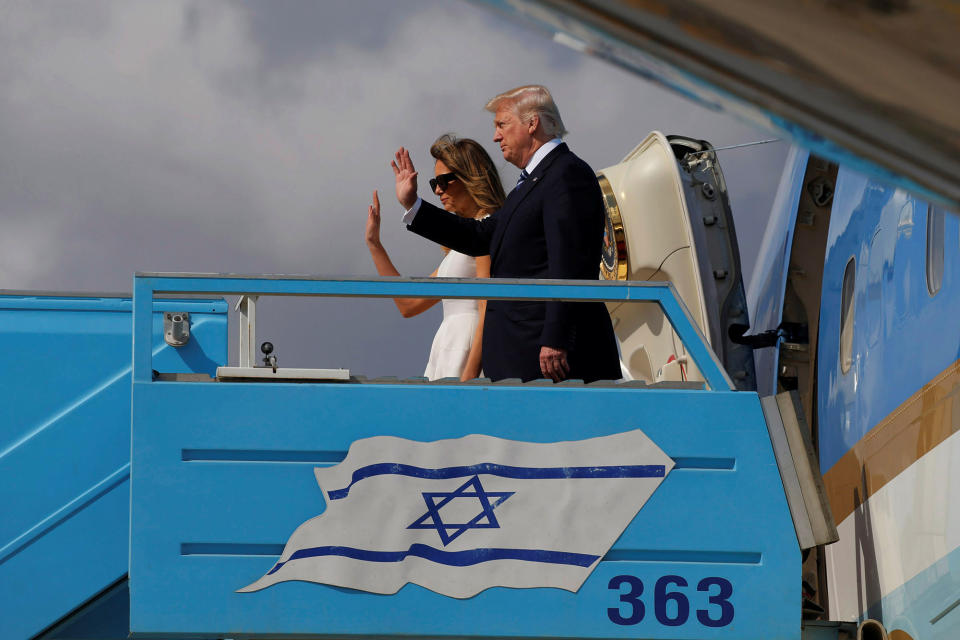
(460, 516)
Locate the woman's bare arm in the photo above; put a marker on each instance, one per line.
(408, 307)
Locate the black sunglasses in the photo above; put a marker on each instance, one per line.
(443, 180)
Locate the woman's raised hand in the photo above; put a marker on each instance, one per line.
(373, 221)
(406, 177)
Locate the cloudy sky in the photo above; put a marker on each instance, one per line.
(219, 136)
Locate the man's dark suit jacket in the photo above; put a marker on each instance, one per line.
(551, 226)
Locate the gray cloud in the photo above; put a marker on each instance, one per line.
(246, 137)
(297, 32)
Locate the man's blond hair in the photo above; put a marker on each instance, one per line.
(528, 101)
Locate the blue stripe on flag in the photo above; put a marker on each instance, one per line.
(504, 471)
(449, 558)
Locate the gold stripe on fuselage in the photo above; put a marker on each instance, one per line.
(918, 425)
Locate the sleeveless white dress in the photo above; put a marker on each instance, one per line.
(451, 344)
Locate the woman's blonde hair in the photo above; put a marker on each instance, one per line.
(473, 166)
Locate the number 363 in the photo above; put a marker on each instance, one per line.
(718, 613)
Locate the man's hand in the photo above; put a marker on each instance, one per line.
(406, 177)
(553, 363)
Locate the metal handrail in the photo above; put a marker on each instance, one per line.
(146, 285)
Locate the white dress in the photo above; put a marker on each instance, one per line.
(451, 345)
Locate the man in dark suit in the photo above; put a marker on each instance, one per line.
(550, 226)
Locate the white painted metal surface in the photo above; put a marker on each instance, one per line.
(247, 306)
(906, 527)
(799, 471)
(288, 373)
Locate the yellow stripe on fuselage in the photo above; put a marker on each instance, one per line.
(914, 428)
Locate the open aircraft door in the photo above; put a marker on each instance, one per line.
(669, 219)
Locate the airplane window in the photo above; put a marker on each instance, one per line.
(935, 219)
(846, 316)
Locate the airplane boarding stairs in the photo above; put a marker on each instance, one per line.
(65, 452)
(221, 474)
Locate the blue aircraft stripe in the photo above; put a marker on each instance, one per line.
(449, 558)
(504, 471)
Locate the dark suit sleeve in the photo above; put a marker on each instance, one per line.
(465, 235)
(573, 228)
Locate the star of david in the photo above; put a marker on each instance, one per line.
(470, 489)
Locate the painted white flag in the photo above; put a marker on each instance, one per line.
(460, 516)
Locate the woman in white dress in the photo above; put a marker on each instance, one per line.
(467, 182)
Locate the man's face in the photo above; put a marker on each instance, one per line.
(514, 136)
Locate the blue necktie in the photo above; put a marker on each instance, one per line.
(523, 176)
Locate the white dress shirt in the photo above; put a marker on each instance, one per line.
(541, 153)
(538, 155)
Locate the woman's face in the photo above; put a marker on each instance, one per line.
(455, 197)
